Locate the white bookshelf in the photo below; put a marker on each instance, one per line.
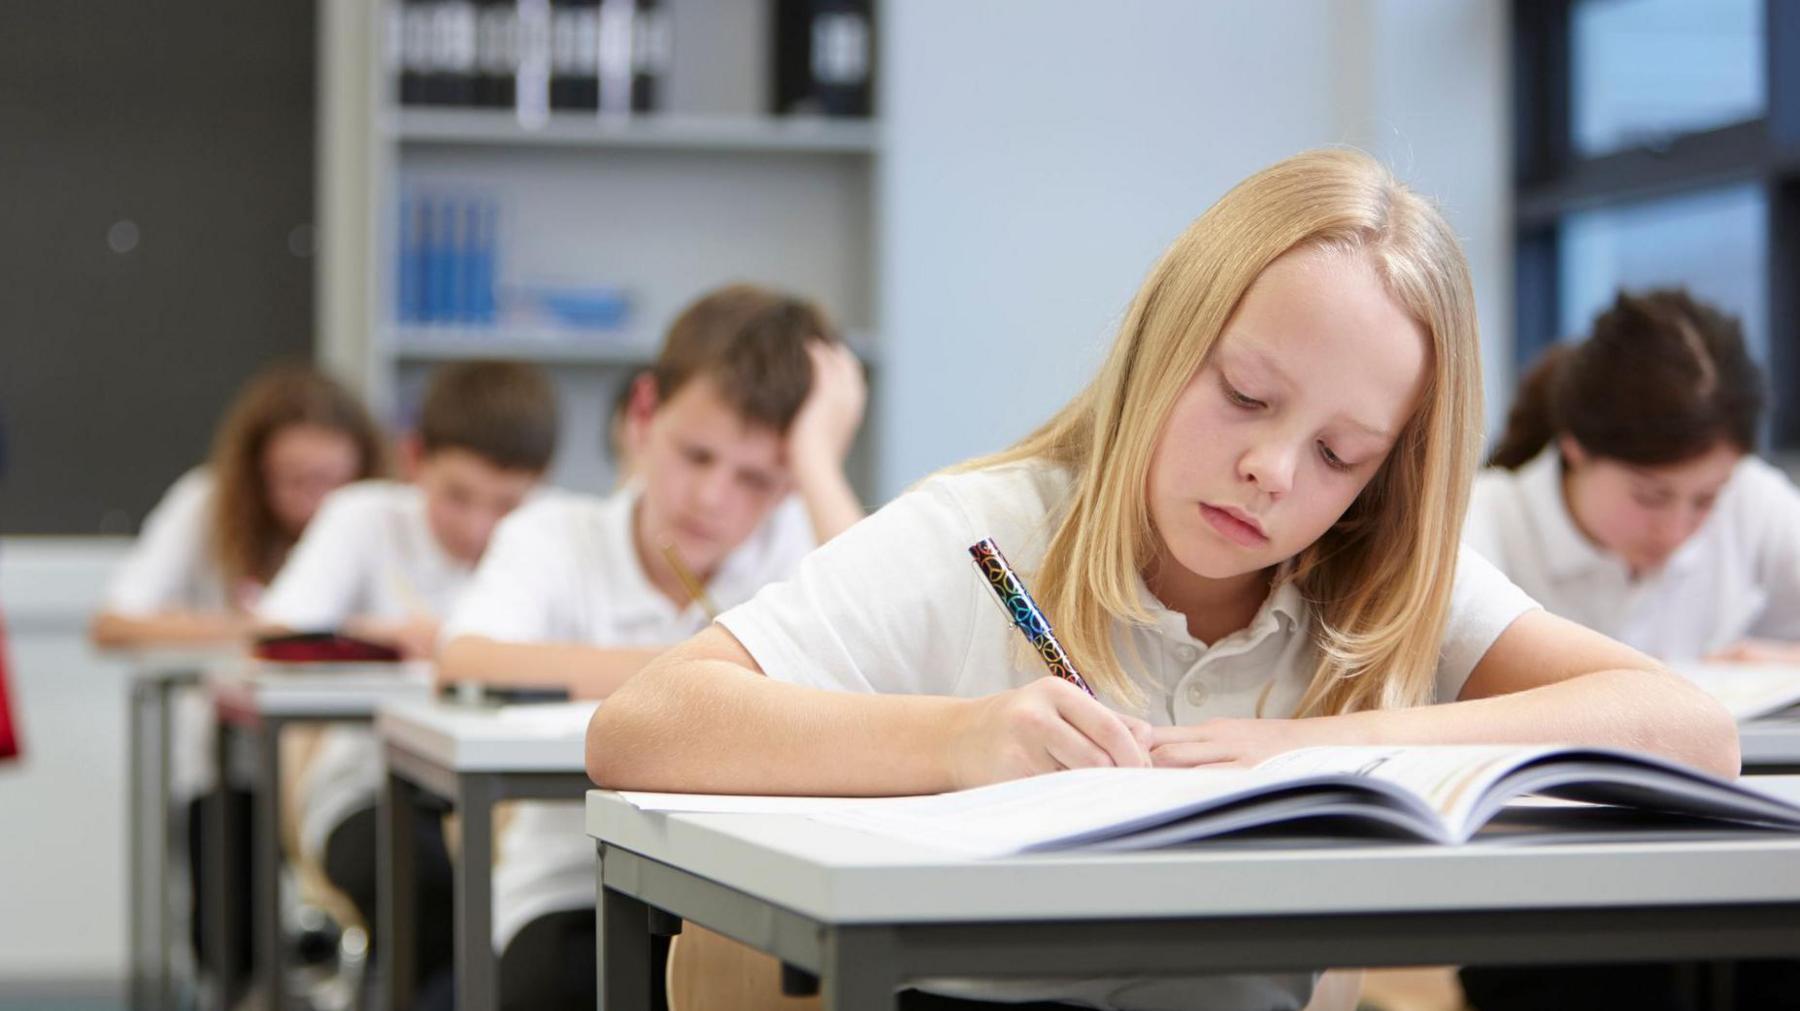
(661, 207)
(547, 347)
(674, 132)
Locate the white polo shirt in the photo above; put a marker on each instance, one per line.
(368, 553)
(895, 605)
(170, 567)
(1738, 576)
(565, 570)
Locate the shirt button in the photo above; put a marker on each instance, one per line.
(1186, 653)
(1196, 694)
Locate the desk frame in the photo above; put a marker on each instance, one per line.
(151, 846)
(860, 966)
(472, 793)
(261, 733)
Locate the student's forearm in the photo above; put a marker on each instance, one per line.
(1641, 710)
(174, 628)
(589, 672)
(710, 726)
(831, 504)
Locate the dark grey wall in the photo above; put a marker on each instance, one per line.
(156, 199)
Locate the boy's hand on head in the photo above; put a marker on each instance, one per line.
(833, 411)
(1045, 726)
(1241, 742)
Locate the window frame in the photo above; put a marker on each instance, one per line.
(1551, 180)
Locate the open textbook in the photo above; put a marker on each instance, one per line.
(1750, 691)
(1433, 793)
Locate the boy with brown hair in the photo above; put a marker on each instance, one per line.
(387, 561)
(738, 437)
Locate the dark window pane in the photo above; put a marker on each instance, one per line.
(1644, 70)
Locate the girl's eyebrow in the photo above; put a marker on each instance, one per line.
(1267, 363)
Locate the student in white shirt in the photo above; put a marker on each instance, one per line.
(290, 437)
(737, 437)
(1246, 531)
(1625, 495)
(221, 532)
(388, 561)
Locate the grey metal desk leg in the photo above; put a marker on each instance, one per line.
(147, 973)
(477, 982)
(219, 871)
(624, 963)
(265, 864)
(163, 838)
(396, 949)
(860, 969)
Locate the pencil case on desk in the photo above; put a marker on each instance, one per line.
(322, 647)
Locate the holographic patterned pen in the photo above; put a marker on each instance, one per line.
(1026, 616)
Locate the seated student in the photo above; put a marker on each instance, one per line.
(738, 437)
(1625, 493)
(1625, 496)
(387, 561)
(221, 532)
(209, 547)
(1246, 531)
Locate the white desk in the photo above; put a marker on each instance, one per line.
(254, 701)
(153, 678)
(864, 915)
(471, 757)
(1771, 745)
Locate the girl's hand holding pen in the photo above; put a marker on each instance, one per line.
(1044, 726)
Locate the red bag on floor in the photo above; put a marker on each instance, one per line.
(9, 738)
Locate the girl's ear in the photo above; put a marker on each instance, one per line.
(640, 408)
(1573, 455)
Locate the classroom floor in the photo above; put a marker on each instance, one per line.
(50, 1003)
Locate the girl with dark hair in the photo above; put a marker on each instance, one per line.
(1625, 493)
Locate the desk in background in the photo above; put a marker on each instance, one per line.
(471, 757)
(254, 702)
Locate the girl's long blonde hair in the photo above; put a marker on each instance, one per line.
(1379, 580)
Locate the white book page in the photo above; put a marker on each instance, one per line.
(731, 803)
(1747, 690)
(1451, 779)
(1057, 808)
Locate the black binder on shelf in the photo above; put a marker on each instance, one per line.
(412, 49)
(652, 51)
(824, 57)
(574, 54)
(457, 30)
(496, 53)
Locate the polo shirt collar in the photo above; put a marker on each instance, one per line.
(1283, 610)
